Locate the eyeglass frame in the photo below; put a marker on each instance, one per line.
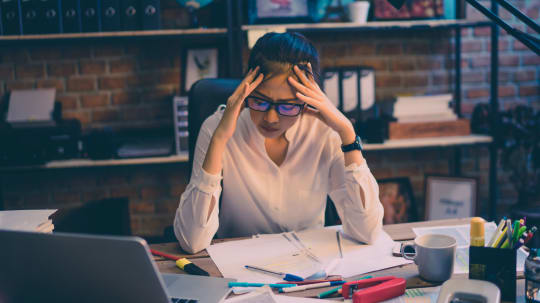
(275, 105)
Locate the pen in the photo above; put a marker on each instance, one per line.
(164, 255)
(327, 293)
(509, 232)
(515, 232)
(284, 276)
(311, 286)
(501, 238)
(497, 233)
(312, 281)
(530, 234)
(339, 244)
(246, 284)
(520, 233)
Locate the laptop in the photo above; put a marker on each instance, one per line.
(61, 267)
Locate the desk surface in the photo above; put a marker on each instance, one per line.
(398, 232)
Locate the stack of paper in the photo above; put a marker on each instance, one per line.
(434, 108)
(276, 253)
(27, 220)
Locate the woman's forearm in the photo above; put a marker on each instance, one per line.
(213, 162)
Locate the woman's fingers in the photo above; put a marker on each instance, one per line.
(303, 78)
(302, 88)
(309, 100)
(253, 85)
(251, 75)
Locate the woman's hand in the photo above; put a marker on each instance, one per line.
(235, 103)
(309, 92)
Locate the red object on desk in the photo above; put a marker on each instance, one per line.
(164, 255)
(374, 289)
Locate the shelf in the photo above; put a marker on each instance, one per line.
(76, 163)
(430, 142)
(374, 25)
(120, 34)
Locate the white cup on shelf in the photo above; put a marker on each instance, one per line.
(358, 11)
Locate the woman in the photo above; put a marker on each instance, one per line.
(279, 159)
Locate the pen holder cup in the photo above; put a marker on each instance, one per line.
(495, 265)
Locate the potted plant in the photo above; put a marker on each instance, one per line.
(520, 144)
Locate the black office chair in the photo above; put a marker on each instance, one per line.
(204, 98)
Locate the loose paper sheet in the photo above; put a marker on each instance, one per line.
(276, 253)
(462, 235)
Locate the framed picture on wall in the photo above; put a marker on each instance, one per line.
(450, 197)
(198, 63)
(281, 11)
(397, 198)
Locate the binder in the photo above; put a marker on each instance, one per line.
(71, 16)
(11, 17)
(151, 12)
(49, 17)
(110, 15)
(29, 13)
(90, 15)
(130, 15)
(1, 25)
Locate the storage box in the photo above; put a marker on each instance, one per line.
(496, 265)
(409, 130)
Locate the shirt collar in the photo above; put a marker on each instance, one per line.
(290, 134)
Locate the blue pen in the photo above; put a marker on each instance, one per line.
(284, 276)
(246, 284)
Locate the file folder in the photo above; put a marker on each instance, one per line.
(90, 15)
(110, 15)
(11, 17)
(71, 16)
(130, 15)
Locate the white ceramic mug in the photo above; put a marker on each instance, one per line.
(358, 11)
(434, 255)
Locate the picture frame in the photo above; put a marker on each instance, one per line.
(283, 11)
(449, 197)
(197, 64)
(397, 198)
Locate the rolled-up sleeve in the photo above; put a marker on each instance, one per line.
(193, 228)
(355, 193)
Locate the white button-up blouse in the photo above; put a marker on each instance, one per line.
(259, 196)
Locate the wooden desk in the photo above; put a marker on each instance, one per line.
(398, 232)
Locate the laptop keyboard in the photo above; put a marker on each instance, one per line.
(177, 300)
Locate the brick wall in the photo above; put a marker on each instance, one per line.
(126, 83)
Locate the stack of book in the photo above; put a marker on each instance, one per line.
(426, 117)
(27, 220)
(424, 109)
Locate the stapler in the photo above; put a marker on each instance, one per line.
(374, 289)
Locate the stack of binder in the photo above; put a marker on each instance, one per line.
(29, 17)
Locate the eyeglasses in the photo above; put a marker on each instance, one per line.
(284, 109)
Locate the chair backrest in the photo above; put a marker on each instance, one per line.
(204, 97)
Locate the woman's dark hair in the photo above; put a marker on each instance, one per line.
(277, 53)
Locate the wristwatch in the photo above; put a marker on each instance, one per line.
(356, 145)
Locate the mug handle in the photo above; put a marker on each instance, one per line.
(408, 256)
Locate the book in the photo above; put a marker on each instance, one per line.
(27, 220)
(428, 118)
(181, 134)
(71, 16)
